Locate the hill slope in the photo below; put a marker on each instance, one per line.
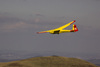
(52, 61)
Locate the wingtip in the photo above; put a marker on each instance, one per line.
(74, 20)
(37, 32)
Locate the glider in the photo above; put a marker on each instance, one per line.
(61, 29)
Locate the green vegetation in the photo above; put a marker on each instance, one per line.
(52, 61)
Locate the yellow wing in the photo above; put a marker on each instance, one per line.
(57, 29)
(46, 31)
(66, 25)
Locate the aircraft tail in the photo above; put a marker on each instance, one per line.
(74, 29)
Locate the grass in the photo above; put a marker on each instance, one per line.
(51, 61)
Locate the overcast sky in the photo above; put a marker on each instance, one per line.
(21, 19)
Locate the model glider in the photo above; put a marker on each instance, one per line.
(61, 29)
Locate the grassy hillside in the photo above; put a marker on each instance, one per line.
(52, 61)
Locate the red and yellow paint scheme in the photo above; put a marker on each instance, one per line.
(61, 29)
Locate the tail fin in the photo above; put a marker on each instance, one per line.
(75, 28)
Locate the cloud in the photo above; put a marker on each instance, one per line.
(8, 19)
(10, 24)
(15, 25)
(37, 20)
(8, 27)
(19, 26)
(39, 15)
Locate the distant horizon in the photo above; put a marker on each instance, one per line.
(7, 50)
(28, 54)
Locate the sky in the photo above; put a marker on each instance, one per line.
(21, 19)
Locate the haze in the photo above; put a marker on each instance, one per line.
(21, 19)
